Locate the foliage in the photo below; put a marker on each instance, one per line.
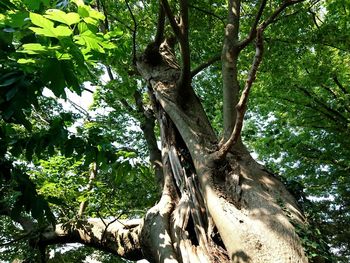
(301, 131)
(298, 122)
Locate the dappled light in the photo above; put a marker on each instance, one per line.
(130, 127)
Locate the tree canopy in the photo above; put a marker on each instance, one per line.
(62, 164)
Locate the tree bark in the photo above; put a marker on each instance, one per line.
(119, 237)
(251, 210)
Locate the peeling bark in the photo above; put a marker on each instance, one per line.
(236, 197)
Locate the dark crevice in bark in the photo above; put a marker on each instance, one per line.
(196, 228)
(203, 195)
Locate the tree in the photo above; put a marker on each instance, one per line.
(216, 203)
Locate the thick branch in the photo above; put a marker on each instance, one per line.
(119, 238)
(181, 33)
(185, 78)
(133, 33)
(242, 104)
(230, 54)
(147, 121)
(160, 27)
(171, 17)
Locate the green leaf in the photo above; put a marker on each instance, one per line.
(26, 61)
(83, 11)
(16, 19)
(8, 81)
(32, 4)
(53, 74)
(70, 77)
(36, 47)
(63, 31)
(40, 20)
(90, 40)
(11, 93)
(60, 16)
(46, 27)
(114, 34)
(82, 27)
(96, 14)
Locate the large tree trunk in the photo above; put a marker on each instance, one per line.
(212, 209)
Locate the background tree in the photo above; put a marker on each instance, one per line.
(166, 124)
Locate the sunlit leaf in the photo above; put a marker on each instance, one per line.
(60, 16)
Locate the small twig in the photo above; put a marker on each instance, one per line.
(107, 225)
(121, 100)
(80, 109)
(207, 12)
(271, 19)
(204, 65)
(88, 90)
(279, 10)
(121, 22)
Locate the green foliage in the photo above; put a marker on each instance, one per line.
(298, 123)
(299, 118)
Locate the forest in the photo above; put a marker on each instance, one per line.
(175, 131)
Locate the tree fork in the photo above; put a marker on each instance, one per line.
(255, 193)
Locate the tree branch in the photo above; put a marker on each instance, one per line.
(171, 17)
(252, 32)
(133, 33)
(242, 104)
(118, 238)
(204, 65)
(233, 119)
(337, 116)
(147, 121)
(337, 82)
(207, 12)
(279, 10)
(181, 32)
(230, 53)
(92, 176)
(267, 22)
(121, 100)
(185, 78)
(160, 27)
